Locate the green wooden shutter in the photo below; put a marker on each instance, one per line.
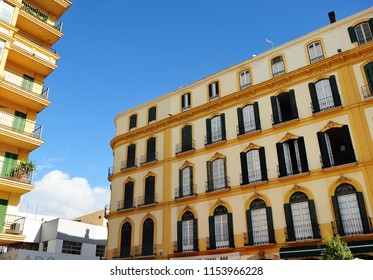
(250, 232)
(351, 32)
(315, 225)
(210, 179)
(323, 150)
(363, 212)
(263, 164)
(223, 130)
(314, 99)
(3, 208)
(125, 242)
(208, 131)
(271, 230)
(150, 150)
(241, 127)
(212, 232)
(179, 236)
(186, 135)
(368, 69)
(244, 169)
(337, 214)
(293, 105)
(335, 92)
(257, 116)
(195, 235)
(230, 230)
(289, 222)
(131, 155)
(183, 101)
(149, 190)
(276, 118)
(128, 195)
(19, 121)
(348, 144)
(10, 162)
(281, 160)
(303, 154)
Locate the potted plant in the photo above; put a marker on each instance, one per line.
(24, 169)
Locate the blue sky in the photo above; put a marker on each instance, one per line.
(120, 54)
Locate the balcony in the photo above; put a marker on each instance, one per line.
(324, 104)
(145, 251)
(185, 147)
(147, 200)
(148, 158)
(260, 237)
(316, 59)
(40, 23)
(125, 205)
(221, 241)
(184, 248)
(254, 176)
(126, 164)
(214, 137)
(217, 184)
(340, 158)
(247, 127)
(124, 253)
(20, 125)
(32, 56)
(12, 225)
(179, 193)
(367, 91)
(15, 172)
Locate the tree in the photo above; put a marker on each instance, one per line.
(335, 249)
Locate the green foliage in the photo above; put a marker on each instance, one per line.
(335, 249)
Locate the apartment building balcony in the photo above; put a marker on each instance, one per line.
(184, 147)
(11, 229)
(123, 205)
(127, 164)
(127, 252)
(15, 130)
(149, 158)
(55, 8)
(39, 22)
(218, 184)
(19, 90)
(145, 251)
(147, 200)
(15, 172)
(32, 56)
(259, 238)
(181, 192)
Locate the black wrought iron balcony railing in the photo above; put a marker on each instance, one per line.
(291, 168)
(185, 147)
(247, 127)
(340, 158)
(254, 176)
(324, 104)
(125, 204)
(367, 90)
(149, 158)
(21, 83)
(127, 252)
(20, 125)
(126, 164)
(285, 116)
(147, 200)
(15, 172)
(40, 14)
(260, 237)
(317, 59)
(145, 250)
(221, 241)
(189, 191)
(12, 224)
(187, 247)
(217, 184)
(214, 137)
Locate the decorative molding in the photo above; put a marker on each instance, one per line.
(343, 180)
(185, 164)
(330, 125)
(297, 188)
(216, 156)
(250, 147)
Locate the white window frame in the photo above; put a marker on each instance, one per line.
(214, 94)
(301, 220)
(221, 231)
(253, 166)
(350, 214)
(260, 226)
(218, 174)
(248, 118)
(185, 173)
(245, 79)
(315, 52)
(278, 68)
(363, 33)
(324, 94)
(216, 129)
(186, 98)
(187, 236)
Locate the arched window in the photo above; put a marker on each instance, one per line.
(260, 223)
(152, 114)
(361, 33)
(278, 66)
(217, 175)
(324, 94)
(248, 118)
(315, 52)
(125, 240)
(301, 221)
(221, 229)
(128, 195)
(215, 129)
(349, 210)
(148, 238)
(245, 80)
(253, 166)
(187, 233)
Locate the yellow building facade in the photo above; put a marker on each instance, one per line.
(28, 30)
(262, 160)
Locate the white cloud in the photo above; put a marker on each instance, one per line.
(56, 194)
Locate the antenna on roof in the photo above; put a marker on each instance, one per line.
(270, 42)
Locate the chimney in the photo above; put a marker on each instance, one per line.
(331, 16)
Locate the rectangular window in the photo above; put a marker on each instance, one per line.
(186, 183)
(260, 226)
(152, 114)
(245, 80)
(187, 234)
(221, 231)
(6, 12)
(278, 66)
(185, 102)
(302, 220)
(214, 91)
(45, 246)
(315, 52)
(215, 129)
(218, 174)
(133, 122)
(253, 165)
(69, 247)
(100, 251)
